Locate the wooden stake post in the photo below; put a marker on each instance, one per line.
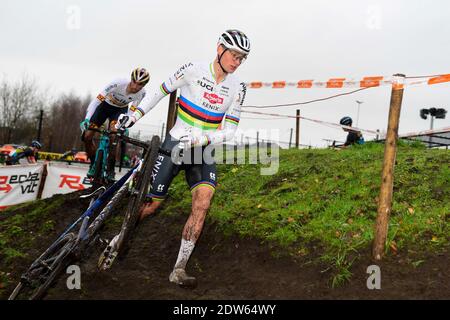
(387, 182)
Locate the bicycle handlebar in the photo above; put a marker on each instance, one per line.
(120, 134)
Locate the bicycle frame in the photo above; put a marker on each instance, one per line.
(103, 145)
(101, 200)
(105, 141)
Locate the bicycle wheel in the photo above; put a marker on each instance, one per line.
(37, 279)
(137, 197)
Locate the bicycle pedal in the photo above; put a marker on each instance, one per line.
(106, 259)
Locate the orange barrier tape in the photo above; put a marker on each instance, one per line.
(440, 79)
(338, 83)
(305, 84)
(279, 84)
(368, 82)
(335, 83)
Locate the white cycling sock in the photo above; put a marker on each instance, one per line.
(186, 248)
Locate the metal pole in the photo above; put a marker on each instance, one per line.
(357, 115)
(257, 139)
(430, 140)
(297, 129)
(387, 179)
(290, 138)
(41, 116)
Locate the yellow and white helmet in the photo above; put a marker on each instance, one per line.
(140, 76)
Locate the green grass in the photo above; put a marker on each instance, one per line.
(329, 198)
(16, 236)
(321, 205)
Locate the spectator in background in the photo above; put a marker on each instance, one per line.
(29, 152)
(68, 154)
(354, 136)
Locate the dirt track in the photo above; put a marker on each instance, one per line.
(232, 268)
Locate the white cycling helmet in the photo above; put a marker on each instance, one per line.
(235, 40)
(140, 76)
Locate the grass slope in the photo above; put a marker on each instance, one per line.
(320, 205)
(324, 202)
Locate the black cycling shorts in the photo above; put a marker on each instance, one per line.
(201, 172)
(106, 111)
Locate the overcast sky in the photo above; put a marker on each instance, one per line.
(80, 46)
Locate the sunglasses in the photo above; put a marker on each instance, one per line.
(238, 56)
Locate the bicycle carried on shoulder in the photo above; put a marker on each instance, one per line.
(70, 246)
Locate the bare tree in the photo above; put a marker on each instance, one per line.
(19, 101)
(20, 105)
(62, 125)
